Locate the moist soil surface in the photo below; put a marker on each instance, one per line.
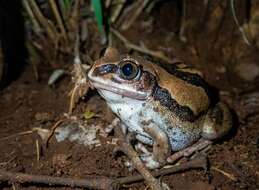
(214, 45)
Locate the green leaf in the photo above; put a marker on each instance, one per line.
(89, 114)
(98, 11)
(67, 4)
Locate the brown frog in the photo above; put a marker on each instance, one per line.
(170, 109)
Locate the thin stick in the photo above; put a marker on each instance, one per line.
(34, 21)
(230, 176)
(189, 150)
(17, 134)
(72, 100)
(52, 130)
(58, 18)
(117, 11)
(136, 14)
(100, 182)
(243, 33)
(183, 23)
(37, 150)
(42, 20)
(92, 183)
(136, 162)
(129, 45)
(196, 163)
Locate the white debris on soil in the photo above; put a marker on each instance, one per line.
(78, 133)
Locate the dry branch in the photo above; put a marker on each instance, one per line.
(158, 54)
(136, 162)
(97, 182)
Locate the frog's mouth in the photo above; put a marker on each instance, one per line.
(126, 92)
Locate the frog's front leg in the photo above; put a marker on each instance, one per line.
(161, 146)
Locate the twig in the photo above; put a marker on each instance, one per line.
(230, 176)
(43, 21)
(126, 12)
(136, 162)
(243, 33)
(36, 26)
(52, 130)
(58, 18)
(129, 45)
(37, 150)
(34, 57)
(196, 163)
(183, 22)
(189, 150)
(220, 25)
(93, 183)
(17, 134)
(142, 5)
(118, 8)
(72, 100)
(100, 182)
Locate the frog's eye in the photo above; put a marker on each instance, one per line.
(128, 70)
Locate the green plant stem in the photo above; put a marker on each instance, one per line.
(97, 6)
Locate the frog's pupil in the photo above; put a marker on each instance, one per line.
(127, 69)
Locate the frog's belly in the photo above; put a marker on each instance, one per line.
(178, 138)
(132, 115)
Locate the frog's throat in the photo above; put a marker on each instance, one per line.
(120, 91)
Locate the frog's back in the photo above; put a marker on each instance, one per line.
(183, 91)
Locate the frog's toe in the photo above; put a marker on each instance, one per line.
(149, 161)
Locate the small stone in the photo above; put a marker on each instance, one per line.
(60, 160)
(42, 117)
(247, 71)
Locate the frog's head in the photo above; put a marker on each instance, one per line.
(126, 76)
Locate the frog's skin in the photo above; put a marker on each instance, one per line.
(170, 110)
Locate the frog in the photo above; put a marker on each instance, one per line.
(171, 108)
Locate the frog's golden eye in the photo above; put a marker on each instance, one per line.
(129, 70)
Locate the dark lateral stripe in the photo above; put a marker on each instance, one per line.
(104, 69)
(191, 78)
(163, 96)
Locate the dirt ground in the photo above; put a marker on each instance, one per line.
(215, 46)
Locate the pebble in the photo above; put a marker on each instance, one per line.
(247, 71)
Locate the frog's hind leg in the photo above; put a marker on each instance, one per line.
(198, 146)
(217, 123)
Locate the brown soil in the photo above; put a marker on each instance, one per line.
(215, 47)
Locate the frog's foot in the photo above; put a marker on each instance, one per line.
(111, 127)
(147, 157)
(149, 161)
(200, 145)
